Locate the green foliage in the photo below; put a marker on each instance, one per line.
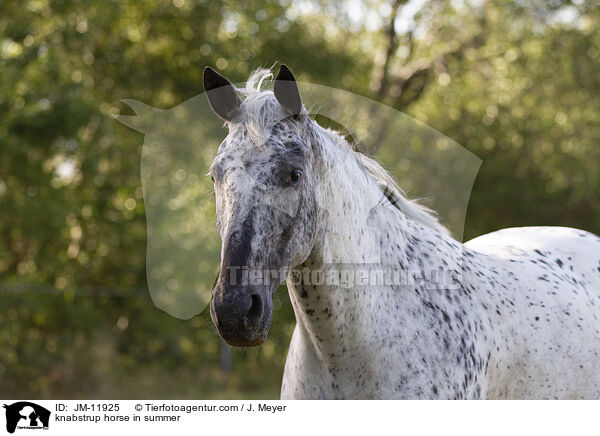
(76, 319)
(527, 104)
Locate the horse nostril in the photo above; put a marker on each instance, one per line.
(256, 309)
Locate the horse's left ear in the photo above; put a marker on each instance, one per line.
(286, 91)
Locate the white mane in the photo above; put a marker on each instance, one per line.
(260, 111)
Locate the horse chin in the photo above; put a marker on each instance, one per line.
(249, 339)
(237, 342)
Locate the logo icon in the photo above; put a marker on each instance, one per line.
(26, 415)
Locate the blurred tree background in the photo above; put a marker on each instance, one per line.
(516, 82)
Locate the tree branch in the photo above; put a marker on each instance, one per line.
(392, 46)
(414, 78)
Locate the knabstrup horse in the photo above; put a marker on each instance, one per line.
(514, 314)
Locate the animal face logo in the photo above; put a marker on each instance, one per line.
(183, 248)
(26, 415)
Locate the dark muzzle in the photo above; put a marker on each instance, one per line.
(242, 314)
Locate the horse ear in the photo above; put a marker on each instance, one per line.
(286, 91)
(222, 97)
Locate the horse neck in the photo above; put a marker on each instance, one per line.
(358, 238)
(347, 197)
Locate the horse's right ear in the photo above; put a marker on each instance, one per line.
(222, 97)
(286, 91)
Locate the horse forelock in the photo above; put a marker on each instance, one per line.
(260, 109)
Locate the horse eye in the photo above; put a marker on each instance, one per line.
(212, 179)
(294, 175)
